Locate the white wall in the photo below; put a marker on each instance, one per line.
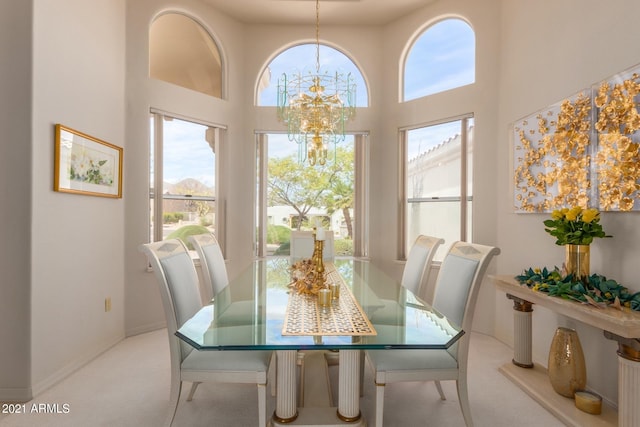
(143, 305)
(77, 243)
(552, 49)
(478, 99)
(15, 198)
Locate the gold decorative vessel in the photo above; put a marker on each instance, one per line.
(577, 261)
(566, 367)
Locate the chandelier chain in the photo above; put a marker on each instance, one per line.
(317, 35)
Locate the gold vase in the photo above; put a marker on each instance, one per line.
(567, 370)
(577, 261)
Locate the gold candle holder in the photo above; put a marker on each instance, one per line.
(318, 263)
(588, 402)
(335, 290)
(324, 297)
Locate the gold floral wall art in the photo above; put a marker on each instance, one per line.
(583, 151)
(618, 157)
(552, 157)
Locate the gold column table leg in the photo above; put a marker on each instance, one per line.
(628, 379)
(522, 331)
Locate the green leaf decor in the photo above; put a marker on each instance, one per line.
(599, 291)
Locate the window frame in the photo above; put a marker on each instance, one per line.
(158, 165)
(361, 196)
(464, 198)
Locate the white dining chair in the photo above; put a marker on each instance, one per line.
(301, 245)
(458, 282)
(216, 278)
(418, 266)
(214, 269)
(178, 283)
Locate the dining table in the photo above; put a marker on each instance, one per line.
(260, 309)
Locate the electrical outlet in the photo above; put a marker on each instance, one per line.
(107, 304)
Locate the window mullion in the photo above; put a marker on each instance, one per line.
(157, 176)
(261, 151)
(463, 179)
(361, 243)
(402, 195)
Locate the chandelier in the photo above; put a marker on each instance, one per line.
(315, 107)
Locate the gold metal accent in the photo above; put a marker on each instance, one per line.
(628, 352)
(520, 304)
(349, 419)
(628, 348)
(280, 420)
(522, 365)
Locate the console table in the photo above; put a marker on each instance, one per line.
(622, 326)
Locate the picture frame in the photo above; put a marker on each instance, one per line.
(86, 165)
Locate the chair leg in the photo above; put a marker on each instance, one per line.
(262, 405)
(300, 363)
(440, 391)
(194, 386)
(271, 375)
(379, 404)
(463, 396)
(174, 398)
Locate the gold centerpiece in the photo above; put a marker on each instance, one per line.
(308, 275)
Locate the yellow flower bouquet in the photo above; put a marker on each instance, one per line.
(575, 226)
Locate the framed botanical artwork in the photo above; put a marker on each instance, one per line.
(86, 165)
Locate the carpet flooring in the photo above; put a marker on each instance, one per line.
(128, 385)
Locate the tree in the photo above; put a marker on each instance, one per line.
(341, 194)
(297, 185)
(304, 187)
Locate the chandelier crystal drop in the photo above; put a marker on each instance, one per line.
(315, 105)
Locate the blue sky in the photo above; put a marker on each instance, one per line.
(302, 58)
(441, 58)
(187, 153)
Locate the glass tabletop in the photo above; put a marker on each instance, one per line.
(249, 313)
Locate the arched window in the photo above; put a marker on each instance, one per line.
(441, 58)
(182, 52)
(303, 57)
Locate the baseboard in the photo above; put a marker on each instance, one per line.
(75, 364)
(16, 395)
(145, 328)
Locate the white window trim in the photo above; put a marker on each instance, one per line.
(403, 200)
(219, 132)
(361, 203)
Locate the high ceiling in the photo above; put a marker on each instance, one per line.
(341, 12)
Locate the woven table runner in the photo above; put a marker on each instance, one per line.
(344, 316)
